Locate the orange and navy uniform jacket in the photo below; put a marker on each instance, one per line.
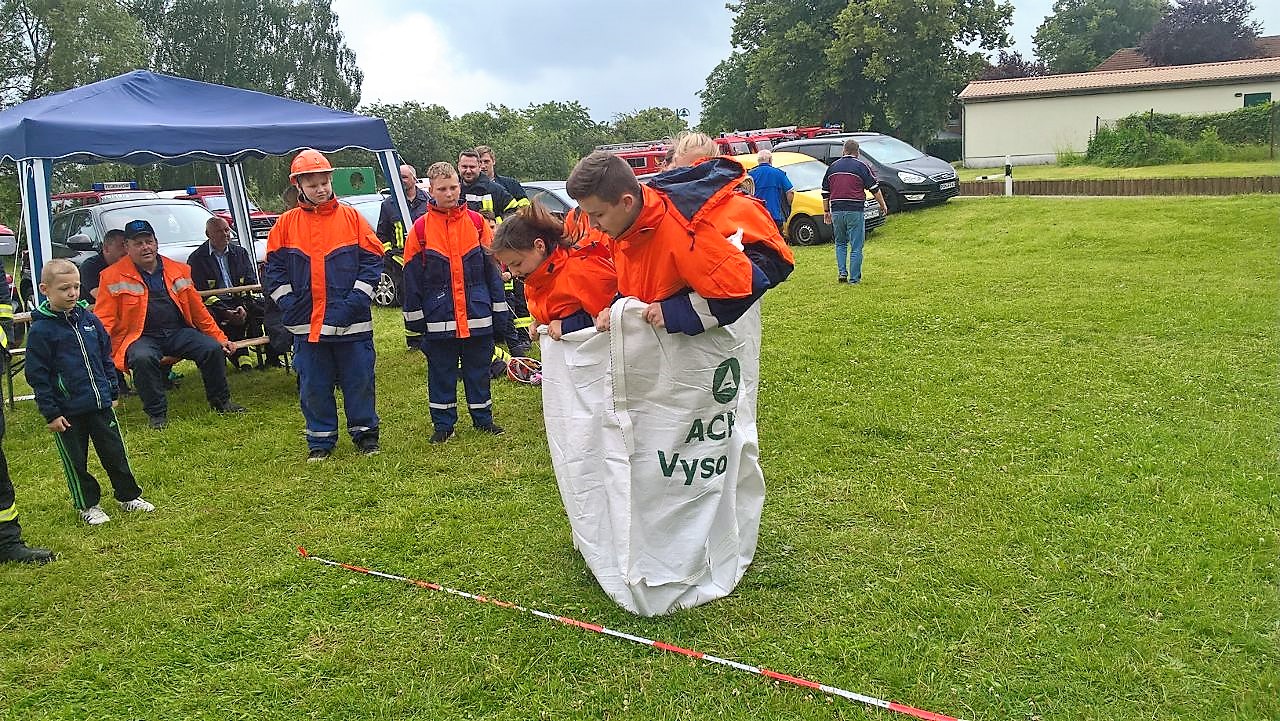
(122, 303)
(573, 285)
(452, 288)
(703, 250)
(323, 263)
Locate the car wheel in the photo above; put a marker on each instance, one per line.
(387, 293)
(803, 231)
(892, 199)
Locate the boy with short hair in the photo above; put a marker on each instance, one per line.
(687, 244)
(453, 297)
(68, 365)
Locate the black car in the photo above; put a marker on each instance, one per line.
(908, 178)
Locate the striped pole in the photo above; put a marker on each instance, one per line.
(869, 700)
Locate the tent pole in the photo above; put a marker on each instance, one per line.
(233, 186)
(391, 168)
(35, 176)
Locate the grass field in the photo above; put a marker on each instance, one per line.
(1027, 470)
(1095, 172)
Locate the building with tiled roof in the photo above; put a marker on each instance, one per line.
(1130, 58)
(1033, 119)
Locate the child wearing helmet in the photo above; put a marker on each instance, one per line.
(565, 285)
(323, 262)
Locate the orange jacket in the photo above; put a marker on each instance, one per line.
(661, 254)
(570, 281)
(323, 263)
(452, 287)
(122, 303)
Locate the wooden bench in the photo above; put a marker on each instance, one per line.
(258, 345)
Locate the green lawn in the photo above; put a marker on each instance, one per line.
(1094, 172)
(1026, 470)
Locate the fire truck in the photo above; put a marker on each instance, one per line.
(214, 198)
(644, 156)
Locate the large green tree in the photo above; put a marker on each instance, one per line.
(1080, 34)
(1203, 31)
(784, 45)
(730, 99)
(919, 55)
(47, 46)
(648, 124)
(290, 48)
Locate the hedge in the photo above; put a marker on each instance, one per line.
(1246, 126)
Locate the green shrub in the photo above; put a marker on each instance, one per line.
(1128, 146)
(949, 150)
(1209, 148)
(1071, 157)
(1237, 127)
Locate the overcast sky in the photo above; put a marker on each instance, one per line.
(612, 56)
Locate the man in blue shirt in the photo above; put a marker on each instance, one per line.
(844, 197)
(772, 187)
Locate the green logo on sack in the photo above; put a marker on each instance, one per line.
(725, 384)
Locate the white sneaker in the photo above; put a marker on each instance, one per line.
(137, 504)
(95, 516)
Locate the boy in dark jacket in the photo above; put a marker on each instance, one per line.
(69, 368)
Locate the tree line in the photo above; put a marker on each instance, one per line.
(869, 64)
(897, 67)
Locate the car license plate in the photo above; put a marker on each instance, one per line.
(947, 186)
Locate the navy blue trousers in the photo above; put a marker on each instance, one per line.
(443, 358)
(323, 366)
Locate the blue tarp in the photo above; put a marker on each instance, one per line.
(142, 117)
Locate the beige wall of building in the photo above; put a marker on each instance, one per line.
(1034, 130)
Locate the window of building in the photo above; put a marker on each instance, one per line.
(1256, 99)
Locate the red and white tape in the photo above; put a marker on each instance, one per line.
(795, 680)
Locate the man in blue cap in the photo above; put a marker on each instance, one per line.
(151, 309)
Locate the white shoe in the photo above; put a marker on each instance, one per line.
(95, 516)
(137, 504)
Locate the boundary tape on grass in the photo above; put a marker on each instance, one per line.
(794, 680)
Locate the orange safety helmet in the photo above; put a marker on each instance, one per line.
(308, 161)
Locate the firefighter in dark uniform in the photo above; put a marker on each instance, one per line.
(391, 231)
(11, 546)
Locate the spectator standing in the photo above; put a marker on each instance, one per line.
(773, 187)
(392, 228)
(844, 196)
(453, 291)
(489, 164)
(12, 547)
(112, 250)
(323, 261)
(151, 309)
(478, 191)
(219, 263)
(69, 368)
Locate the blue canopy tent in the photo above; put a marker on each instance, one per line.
(141, 118)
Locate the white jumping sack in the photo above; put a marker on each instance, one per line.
(653, 440)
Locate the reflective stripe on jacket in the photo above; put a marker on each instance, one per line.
(123, 297)
(323, 263)
(452, 288)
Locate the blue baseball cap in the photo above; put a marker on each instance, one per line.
(135, 228)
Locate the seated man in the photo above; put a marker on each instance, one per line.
(112, 250)
(219, 263)
(151, 309)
